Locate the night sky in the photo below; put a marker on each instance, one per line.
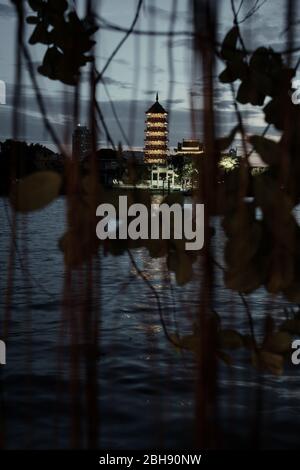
(138, 71)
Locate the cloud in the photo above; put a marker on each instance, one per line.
(195, 94)
(121, 61)
(35, 132)
(186, 42)
(155, 69)
(175, 101)
(115, 60)
(120, 84)
(157, 12)
(166, 15)
(150, 92)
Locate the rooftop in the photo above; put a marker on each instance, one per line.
(156, 108)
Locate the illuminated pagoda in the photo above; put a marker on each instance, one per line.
(156, 134)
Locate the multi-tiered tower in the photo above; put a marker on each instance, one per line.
(156, 134)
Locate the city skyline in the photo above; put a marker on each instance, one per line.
(137, 72)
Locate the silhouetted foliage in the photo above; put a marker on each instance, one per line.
(67, 38)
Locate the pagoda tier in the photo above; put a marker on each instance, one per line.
(156, 131)
(155, 120)
(160, 148)
(153, 139)
(158, 124)
(156, 134)
(156, 141)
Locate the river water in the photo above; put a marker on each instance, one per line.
(146, 387)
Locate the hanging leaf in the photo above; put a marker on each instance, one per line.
(224, 142)
(249, 342)
(240, 250)
(57, 67)
(189, 342)
(230, 339)
(292, 325)
(57, 6)
(273, 199)
(41, 34)
(244, 279)
(279, 342)
(68, 36)
(36, 5)
(184, 269)
(228, 49)
(32, 20)
(273, 110)
(248, 93)
(267, 361)
(35, 191)
(281, 272)
(52, 63)
(236, 69)
(157, 248)
(180, 263)
(266, 148)
(224, 357)
(292, 293)
(265, 68)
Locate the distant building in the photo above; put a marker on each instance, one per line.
(110, 166)
(137, 155)
(189, 148)
(156, 134)
(81, 142)
(162, 177)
